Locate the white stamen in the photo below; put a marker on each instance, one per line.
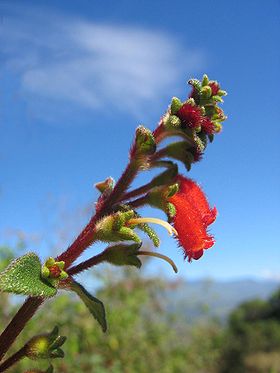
(171, 230)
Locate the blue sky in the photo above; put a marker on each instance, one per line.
(76, 78)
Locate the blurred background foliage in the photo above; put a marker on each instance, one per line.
(144, 337)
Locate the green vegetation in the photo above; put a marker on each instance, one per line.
(252, 340)
(144, 337)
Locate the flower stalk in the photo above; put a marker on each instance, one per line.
(196, 121)
(12, 360)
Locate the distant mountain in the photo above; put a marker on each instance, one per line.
(205, 299)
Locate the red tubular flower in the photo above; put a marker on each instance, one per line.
(214, 87)
(192, 218)
(190, 115)
(207, 125)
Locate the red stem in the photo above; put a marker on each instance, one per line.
(18, 322)
(86, 264)
(84, 240)
(159, 154)
(138, 202)
(12, 360)
(159, 131)
(141, 190)
(86, 237)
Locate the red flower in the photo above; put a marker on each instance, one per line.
(214, 87)
(192, 218)
(55, 271)
(207, 125)
(190, 116)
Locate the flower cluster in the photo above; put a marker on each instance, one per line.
(196, 121)
(116, 220)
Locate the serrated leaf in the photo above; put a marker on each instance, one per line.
(23, 276)
(94, 305)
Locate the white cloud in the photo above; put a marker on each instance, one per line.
(61, 60)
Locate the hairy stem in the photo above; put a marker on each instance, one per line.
(84, 240)
(21, 318)
(136, 192)
(159, 154)
(139, 202)
(122, 185)
(97, 259)
(12, 360)
(86, 237)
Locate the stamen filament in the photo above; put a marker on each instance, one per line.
(161, 256)
(163, 223)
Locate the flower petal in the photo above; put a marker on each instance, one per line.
(192, 218)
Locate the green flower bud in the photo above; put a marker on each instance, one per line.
(53, 272)
(205, 80)
(114, 228)
(120, 255)
(176, 104)
(191, 101)
(217, 98)
(206, 92)
(171, 122)
(107, 184)
(144, 142)
(218, 127)
(195, 83)
(222, 93)
(45, 346)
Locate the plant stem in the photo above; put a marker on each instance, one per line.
(15, 358)
(139, 202)
(122, 185)
(86, 264)
(18, 322)
(86, 238)
(159, 154)
(141, 190)
(159, 131)
(83, 241)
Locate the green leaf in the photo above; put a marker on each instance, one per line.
(45, 346)
(95, 306)
(23, 276)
